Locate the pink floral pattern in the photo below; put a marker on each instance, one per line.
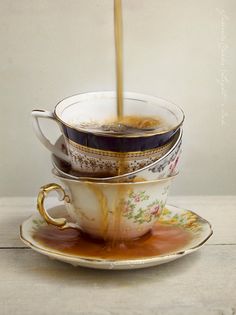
(133, 209)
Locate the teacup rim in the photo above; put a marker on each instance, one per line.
(97, 182)
(126, 94)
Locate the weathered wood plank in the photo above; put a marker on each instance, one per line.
(201, 283)
(13, 211)
(220, 211)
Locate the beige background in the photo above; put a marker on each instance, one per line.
(182, 50)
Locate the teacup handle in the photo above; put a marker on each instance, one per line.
(36, 114)
(44, 191)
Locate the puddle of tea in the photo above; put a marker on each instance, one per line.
(163, 239)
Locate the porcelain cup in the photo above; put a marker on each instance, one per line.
(111, 211)
(164, 166)
(99, 152)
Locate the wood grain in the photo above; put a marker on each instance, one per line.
(201, 283)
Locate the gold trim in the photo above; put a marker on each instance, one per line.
(44, 191)
(133, 154)
(169, 144)
(175, 145)
(118, 135)
(102, 181)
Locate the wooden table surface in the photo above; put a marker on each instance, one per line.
(201, 283)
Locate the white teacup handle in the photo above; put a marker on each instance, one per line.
(44, 191)
(36, 114)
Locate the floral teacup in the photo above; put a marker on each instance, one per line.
(111, 211)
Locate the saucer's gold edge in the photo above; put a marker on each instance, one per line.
(43, 249)
(209, 225)
(80, 259)
(122, 262)
(199, 219)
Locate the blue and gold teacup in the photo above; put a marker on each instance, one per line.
(98, 151)
(165, 166)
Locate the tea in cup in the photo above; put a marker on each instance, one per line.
(98, 144)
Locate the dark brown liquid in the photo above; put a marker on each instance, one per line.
(163, 239)
(121, 123)
(126, 125)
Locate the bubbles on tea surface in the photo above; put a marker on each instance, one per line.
(126, 125)
(115, 127)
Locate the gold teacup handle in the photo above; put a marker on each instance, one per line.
(44, 191)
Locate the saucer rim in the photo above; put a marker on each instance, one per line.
(115, 263)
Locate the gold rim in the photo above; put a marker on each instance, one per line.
(118, 135)
(134, 173)
(87, 180)
(126, 154)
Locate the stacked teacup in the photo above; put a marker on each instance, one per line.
(115, 177)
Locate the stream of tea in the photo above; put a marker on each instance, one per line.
(118, 32)
(118, 28)
(112, 214)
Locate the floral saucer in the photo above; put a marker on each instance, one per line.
(171, 218)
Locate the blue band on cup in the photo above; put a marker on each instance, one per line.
(117, 144)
